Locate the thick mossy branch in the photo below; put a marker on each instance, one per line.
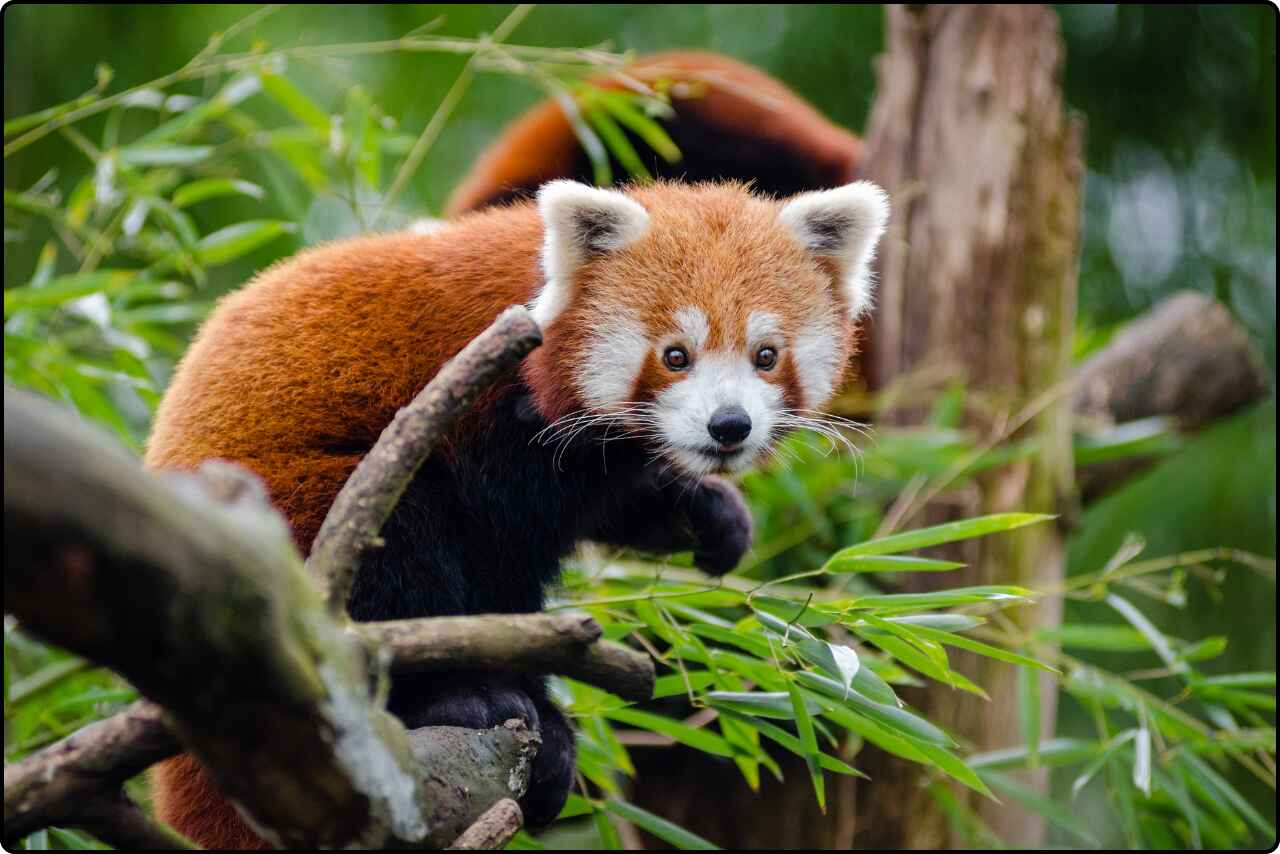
(205, 607)
(189, 585)
(371, 493)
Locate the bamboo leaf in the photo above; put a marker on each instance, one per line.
(949, 533)
(210, 188)
(981, 648)
(790, 742)
(230, 243)
(165, 155)
(808, 740)
(1159, 643)
(699, 739)
(894, 718)
(659, 827)
(842, 563)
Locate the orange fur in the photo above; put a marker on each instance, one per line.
(733, 105)
(295, 375)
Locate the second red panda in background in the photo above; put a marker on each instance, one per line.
(734, 123)
(685, 326)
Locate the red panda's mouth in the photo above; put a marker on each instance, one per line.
(722, 457)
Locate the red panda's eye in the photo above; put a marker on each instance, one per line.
(675, 358)
(766, 358)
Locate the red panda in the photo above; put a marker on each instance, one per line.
(686, 327)
(731, 122)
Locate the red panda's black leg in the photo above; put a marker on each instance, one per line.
(707, 516)
(478, 701)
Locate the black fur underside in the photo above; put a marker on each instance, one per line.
(483, 530)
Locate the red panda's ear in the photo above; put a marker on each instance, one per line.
(579, 222)
(844, 224)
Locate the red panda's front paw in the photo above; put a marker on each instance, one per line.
(721, 524)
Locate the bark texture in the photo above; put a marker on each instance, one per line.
(1187, 358)
(566, 643)
(189, 585)
(978, 279)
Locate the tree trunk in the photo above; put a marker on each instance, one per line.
(978, 279)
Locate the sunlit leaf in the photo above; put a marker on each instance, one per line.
(938, 534)
(165, 155)
(228, 244)
(842, 563)
(210, 188)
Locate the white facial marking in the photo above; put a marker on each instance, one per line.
(579, 221)
(763, 328)
(693, 327)
(816, 355)
(845, 224)
(716, 379)
(614, 355)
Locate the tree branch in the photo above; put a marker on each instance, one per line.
(189, 586)
(371, 493)
(1187, 359)
(122, 824)
(49, 787)
(205, 607)
(492, 830)
(567, 644)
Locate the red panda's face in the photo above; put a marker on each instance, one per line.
(702, 318)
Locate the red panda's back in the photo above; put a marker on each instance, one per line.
(296, 374)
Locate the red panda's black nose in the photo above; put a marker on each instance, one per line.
(729, 425)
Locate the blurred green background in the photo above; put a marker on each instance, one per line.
(1180, 105)
(1180, 109)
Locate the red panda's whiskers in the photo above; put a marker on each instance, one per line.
(827, 426)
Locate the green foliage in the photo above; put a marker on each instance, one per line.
(804, 660)
(176, 190)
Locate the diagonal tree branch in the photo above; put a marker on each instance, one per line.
(188, 584)
(50, 786)
(371, 493)
(492, 830)
(205, 607)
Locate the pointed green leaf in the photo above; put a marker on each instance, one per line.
(228, 244)
(666, 831)
(894, 718)
(804, 726)
(767, 704)
(699, 739)
(981, 648)
(938, 534)
(841, 562)
(210, 188)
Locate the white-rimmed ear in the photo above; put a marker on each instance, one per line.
(844, 224)
(578, 222)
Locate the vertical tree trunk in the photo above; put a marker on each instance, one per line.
(978, 279)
